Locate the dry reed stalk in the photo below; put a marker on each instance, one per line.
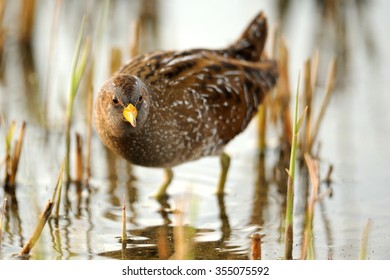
(1, 219)
(134, 43)
(307, 243)
(3, 34)
(326, 193)
(328, 178)
(308, 101)
(2, 11)
(263, 108)
(38, 229)
(256, 247)
(79, 159)
(52, 46)
(116, 60)
(8, 154)
(3, 31)
(124, 231)
(88, 140)
(314, 69)
(328, 92)
(275, 36)
(283, 90)
(13, 159)
(27, 16)
(262, 125)
(148, 17)
(364, 242)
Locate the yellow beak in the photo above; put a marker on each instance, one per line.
(130, 114)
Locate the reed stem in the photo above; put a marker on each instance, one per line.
(134, 43)
(12, 159)
(38, 229)
(78, 67)
(307, 244)
(79, 159)
(325, 102)
(256, 247)
(88, 140)
(308, 97)
(262, 125)
(1, 219)
(364, 243)
(290, 183)
(59, 189)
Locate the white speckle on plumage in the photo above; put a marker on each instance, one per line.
(191, 120)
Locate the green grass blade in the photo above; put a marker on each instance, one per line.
(8, 138)
(78, 68)
(290, 183)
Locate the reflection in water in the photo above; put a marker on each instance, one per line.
(163, 242)
(31, 85)
(90, 227)
(132, 194)
(55, 237)
(327, 229)
(225, 225)
(260, 197)
(114, 164)
(147, 247)
(13, 223)
(112, 177)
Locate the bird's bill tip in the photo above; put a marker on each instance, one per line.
(130, 114)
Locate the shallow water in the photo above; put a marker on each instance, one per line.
(353, 138)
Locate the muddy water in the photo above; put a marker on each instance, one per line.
(353, 138)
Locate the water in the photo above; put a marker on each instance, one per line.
(353, 138)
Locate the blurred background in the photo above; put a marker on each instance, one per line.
(37, 44)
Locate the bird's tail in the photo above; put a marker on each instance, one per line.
(251, 43)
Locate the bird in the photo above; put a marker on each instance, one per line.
(165, 108)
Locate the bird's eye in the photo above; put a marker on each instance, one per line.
(115, 100)
(140, 98)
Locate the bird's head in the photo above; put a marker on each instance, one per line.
(122, 104)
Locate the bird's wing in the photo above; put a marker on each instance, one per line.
(222, 88)
(216, 77)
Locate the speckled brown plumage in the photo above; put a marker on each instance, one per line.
(189, 104)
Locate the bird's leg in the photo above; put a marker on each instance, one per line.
(225, 163)
(167, 181)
